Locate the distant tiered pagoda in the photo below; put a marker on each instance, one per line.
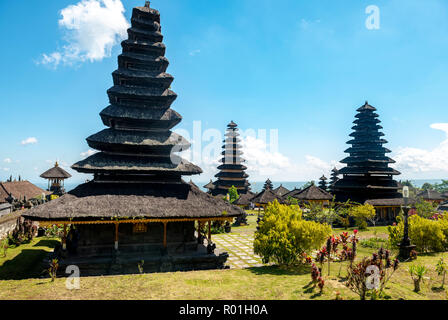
(56, 177)
(334, 178)
(323, 183)
(138, 205)
(367, 175)
(232, 171)
(268, 185)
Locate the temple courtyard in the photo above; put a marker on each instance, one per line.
(22, 276)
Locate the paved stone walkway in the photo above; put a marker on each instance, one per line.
(240, 248)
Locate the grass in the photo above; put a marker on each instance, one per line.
(20, 274)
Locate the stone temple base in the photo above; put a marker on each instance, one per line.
(118, 263)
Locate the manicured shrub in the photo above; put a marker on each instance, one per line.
(428, 235)
(284, 237)
(361, 214)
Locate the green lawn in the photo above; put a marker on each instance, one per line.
(20, 273)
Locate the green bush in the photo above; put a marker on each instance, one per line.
(283, 236)
(428, 235)
(374, 243)
(361, 214)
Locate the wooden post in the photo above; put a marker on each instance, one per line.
(199, 231)
(64, 240)
(164, 235)
(209, 232)
(116, 236)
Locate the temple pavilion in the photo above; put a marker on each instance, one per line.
(311, 195)
(232, 171)
(138, 207)
(281, 191)
(431, 196)
(367, 175)
(56, 177)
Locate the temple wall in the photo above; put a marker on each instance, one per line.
(8, 224)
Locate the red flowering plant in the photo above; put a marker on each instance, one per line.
(371, 274)
(315, 273)
(321, 284)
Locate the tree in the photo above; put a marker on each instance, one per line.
(233, 194)
(361, 214)
(308, 184)
(425, 209)
(427, 186)
(441, 187)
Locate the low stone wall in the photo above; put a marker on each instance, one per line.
(8, 223)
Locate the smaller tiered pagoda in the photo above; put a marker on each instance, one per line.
(56, 177)
(232, 171)
(323, 183)
(268, 185)
(334, 178)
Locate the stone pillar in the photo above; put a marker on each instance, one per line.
(116, 236)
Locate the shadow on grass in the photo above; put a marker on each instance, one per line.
(438, 289)
(281, 271)
(47, 243)
(28, 264)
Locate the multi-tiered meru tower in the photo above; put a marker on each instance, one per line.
(138, 207)
(232, 171)
(367, 175)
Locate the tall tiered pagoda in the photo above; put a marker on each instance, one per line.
(367, 175)
(138, 207)
(232, 171)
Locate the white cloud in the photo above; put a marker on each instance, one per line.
(30, 140)
(93, 28)
(195, 52)
(88, 153)
(7, 160)
(414, 161)
(6, 169)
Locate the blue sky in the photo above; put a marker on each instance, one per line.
(302, 67)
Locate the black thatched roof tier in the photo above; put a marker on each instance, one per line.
(394, 202)
(367, 174)
(268, 185)
(101, 200)
(104, 163)
(56, 173)
(281, 191)
(312, 193)
(138, 140)
(140, 118)
(231, 171)
(232, 167)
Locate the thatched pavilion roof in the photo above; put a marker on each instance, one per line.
(245, 199)
(20, 189)
(146, 200)
(281, 191)
(430, 195)
(56, 173)
(266, 196)
(312, 193)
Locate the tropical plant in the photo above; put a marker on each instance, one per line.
(371, 274)
(53, 269)
(284, 237)
(4, 245)
(417, 273)
(425, 209)
(441, 269)
(140, 266)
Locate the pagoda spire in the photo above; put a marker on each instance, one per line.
(232, 171)
(138, 144)
(367, 174)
